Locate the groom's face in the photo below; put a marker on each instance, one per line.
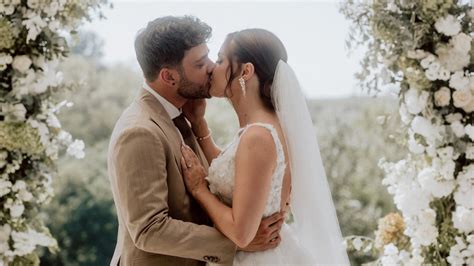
(195, 73)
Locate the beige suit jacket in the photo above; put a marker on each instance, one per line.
(159, 222)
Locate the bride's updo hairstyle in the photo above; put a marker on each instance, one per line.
(261, 48)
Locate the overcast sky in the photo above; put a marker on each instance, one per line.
(313, 32)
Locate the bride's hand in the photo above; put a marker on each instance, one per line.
(193, 171)
(194, 110)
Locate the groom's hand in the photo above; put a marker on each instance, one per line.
(268, 234)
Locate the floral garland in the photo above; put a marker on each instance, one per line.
(31, 45)
(424, 47)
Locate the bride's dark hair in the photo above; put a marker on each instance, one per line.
(261, 48)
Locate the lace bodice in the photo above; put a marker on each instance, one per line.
(222, 172)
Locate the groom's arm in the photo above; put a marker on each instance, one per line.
(143, 193)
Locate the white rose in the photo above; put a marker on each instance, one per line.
(15, 112)
(426, 62)
(415, 101)
(462, 43)
(21, 63)
(33, 4)
(451, 118)
(462, 98)
(470, 131)
(17, 209)
(448, 25)
(444, 74)
(470, 152)
(458, 129)
(458, 81)
(429, 181)
(414, 146)
(442, 96)
(424, 127)
(463, 219)
(468, 108)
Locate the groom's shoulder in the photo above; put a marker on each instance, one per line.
(135, 120)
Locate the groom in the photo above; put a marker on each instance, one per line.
(159, 223)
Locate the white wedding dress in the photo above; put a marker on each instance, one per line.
(221, 183)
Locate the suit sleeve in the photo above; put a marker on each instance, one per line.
(143, 192)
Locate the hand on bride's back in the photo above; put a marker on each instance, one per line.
(194, 110)
(268, 234)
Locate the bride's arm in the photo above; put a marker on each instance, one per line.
(210, 149)
(254, 164)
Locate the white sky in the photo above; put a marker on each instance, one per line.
(313, 32)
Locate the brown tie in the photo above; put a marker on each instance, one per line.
(183, 127)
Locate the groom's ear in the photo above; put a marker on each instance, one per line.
(169, 76)
(247, 71)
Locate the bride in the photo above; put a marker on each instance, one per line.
(274, 154)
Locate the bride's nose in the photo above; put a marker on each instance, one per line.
(211, 67)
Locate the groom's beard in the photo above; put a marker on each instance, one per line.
(192, 90)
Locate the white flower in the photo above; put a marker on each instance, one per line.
(33, 4)
(417, 54)
(444, 74)
(458, 129)
(470, 152)
(470, 131)
(16, 208)
(424, 127)
(16, 112)
(53, 121)
(405, 116)
(5, 59)
(426, 62)
(430, 181)
(52, 9)
(442, 96)
(76, 149)
(468, 108)
(455, 257)
(448, 25)
(34, 24)
(414, 146)
(462, 43)
(357, 242)
(416, 101)
(431, 74)
(465, 190)
(5, 231)
(3, 157)
(463, 219)
(5, 187)
(453, 117)
(455, 55)
(54, 25)
(462, 98)
(458, 81)
(21, 63)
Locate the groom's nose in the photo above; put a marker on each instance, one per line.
(211, 67)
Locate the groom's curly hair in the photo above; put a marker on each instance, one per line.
(165, 40)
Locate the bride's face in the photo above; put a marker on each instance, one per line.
(220, 76)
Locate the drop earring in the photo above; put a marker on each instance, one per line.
(242, 85)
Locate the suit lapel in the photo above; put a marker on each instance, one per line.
(161, 118)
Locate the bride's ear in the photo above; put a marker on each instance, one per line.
(247, 71)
